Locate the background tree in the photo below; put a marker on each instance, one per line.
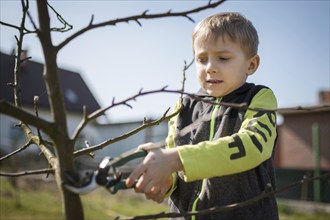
(61, 160)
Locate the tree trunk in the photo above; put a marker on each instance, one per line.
(71, 202)
(72, 206)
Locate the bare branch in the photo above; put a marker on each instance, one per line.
(17, 68)
(66, 26)
(91, 21)
(136, 18)
(23, 29)
(35, 102)
(244, 106)
(17, 151)
(26, 173)
(8, 108)
(230, 207)
(32, 22)
(98, 113)
(124, 136)
(9, 25)
(36, 140)
(101, 111)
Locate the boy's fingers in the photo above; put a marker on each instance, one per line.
(140, 185)
(150, 188)
(147, 146)
(134, 176)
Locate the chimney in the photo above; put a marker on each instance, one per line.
(324, 97)
(23, 54)
(24, 58)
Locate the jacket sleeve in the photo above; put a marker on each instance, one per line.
(242, 151)
(170, 144)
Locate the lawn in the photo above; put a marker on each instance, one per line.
(43, 202)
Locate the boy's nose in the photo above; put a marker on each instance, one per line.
(211, 67)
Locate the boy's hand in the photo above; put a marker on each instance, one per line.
(157, 194)
(154, 174)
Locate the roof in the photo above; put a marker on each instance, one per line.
(75, 91)
(304, 110)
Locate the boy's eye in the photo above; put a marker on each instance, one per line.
(201, 59)
(223, 58)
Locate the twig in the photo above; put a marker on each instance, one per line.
(26, 6)
(18, 61)
(87, 118)
(25, 173)
(17, 151)
(144, 125)
(23, 29)
(124, 136)
(230, 207)
(66, 26)
(136, 18)
(35, 102)
(9, 25)
(8, 108)
(244, 106)
(185, 68)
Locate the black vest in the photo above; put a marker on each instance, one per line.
(193, 126)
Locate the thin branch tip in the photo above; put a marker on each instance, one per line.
(139, 23)
(190, 19)
(91, 21)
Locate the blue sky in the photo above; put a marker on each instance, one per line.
(119, 61)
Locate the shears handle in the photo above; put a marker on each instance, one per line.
(125, 158)
(117, 182)
(119, 186)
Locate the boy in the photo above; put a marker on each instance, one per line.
(217, 155)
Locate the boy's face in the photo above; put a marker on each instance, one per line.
(222, 65)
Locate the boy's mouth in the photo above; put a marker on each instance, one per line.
(214, 81)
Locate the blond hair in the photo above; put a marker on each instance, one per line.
(232, 24)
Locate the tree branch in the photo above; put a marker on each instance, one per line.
(230, 207)
(244, 106)
(30, 172)
(136, 18)
(9, 25)
(8, 108)
(16, 151)
(22, 29)
(66, 26)
(124, 136)
(87, 118)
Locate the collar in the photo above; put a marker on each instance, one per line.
(244, 88)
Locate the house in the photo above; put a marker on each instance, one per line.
(76, 94)
(303, 147)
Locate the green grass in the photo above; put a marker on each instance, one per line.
(45, 203)
(28, 204)
(289, 214)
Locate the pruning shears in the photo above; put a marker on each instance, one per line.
(107, 175)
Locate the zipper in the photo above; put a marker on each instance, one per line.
(212, 126)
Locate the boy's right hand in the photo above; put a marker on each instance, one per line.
(158, 195)
(154, 174)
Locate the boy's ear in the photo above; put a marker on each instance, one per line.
(253, 65)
